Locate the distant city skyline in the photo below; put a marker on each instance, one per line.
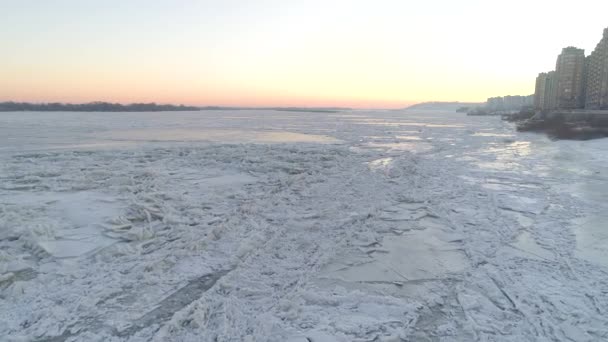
(361, 54)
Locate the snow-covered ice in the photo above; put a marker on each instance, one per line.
(277, 226)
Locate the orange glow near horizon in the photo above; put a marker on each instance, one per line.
(79, 84)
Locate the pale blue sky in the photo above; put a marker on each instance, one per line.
(359, 53)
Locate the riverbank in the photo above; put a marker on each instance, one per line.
(575, 125)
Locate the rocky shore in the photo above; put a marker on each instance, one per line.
(575, 125)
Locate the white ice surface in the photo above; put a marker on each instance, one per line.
(279, 226)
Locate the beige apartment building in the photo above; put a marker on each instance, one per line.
(570, 76)
(539, 91)
(551, 91)
(545, 93)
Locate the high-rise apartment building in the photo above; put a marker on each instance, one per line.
(539, 91)
(597, 76)
(577, 82)
(545, 94)
(551, 91)
(570, 76)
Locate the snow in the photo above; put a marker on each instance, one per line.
(416, 255)
(216, 135)
(72, 233)
(276, 226)
(592, 240)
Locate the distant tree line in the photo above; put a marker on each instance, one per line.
(91, 107)
(140, 107)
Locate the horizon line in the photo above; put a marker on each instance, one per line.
(260, 107)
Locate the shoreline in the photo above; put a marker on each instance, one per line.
(563, 124)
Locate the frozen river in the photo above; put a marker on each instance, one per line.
(282, 226)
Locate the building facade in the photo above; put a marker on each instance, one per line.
(570, 77)
(540, 90)
(597, 76)
(545, 94)
(550, 92)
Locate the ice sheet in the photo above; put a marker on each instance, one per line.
(272, 226)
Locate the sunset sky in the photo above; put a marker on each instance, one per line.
(381, 53)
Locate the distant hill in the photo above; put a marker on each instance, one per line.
(447, 106)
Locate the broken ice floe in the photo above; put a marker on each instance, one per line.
(405, 212)
(592, 240)
(520, 204)
(77, 218)
(525, 246)
(417, 255)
